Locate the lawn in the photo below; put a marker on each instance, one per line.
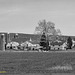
(40, 63)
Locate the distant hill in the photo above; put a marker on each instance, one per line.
(25, 37)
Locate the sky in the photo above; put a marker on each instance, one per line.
(22, 16)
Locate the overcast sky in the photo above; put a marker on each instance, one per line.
(23, 15)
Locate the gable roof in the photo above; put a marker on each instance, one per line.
(57, 43)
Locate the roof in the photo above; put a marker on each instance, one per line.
(20, 40)
(57, 43)
(34, 42)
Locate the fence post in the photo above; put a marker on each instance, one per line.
(3, 42)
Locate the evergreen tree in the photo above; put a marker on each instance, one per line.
(43, 40)
(69, 43)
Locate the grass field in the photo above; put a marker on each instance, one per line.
(36, 63)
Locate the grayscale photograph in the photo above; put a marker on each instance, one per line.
(37, 37)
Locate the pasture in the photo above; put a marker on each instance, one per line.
(36, 63)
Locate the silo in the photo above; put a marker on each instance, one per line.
(3, 42)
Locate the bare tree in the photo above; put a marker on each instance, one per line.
(46, 27)
(58, 32)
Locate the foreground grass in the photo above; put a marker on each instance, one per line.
(35, 62)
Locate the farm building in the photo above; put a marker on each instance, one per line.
(33, 38)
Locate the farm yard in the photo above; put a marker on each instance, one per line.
(37, 37)
(27, 56)
(37, 63)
